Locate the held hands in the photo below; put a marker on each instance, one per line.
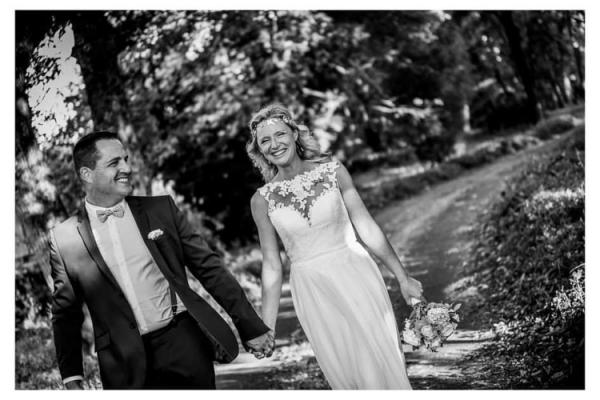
(262, 346)
(412, 291)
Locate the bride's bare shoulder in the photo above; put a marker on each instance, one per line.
(258, 202)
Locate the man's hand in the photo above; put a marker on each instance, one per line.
(262, 346)
(74, 385)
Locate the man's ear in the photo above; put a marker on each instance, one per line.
(85, 174)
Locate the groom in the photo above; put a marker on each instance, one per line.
(125, 258)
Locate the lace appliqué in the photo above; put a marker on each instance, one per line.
(302, 191)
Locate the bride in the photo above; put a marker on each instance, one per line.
(339, 295)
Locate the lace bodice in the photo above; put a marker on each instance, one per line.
(302, 191)
(308, 212)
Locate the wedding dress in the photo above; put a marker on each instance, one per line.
(338, 293)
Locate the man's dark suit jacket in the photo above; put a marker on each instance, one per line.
(81, 275)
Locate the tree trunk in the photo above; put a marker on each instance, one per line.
(500, 80)
(30, 29)
(578, 62)
(519, 59)
(559, 103)
(97, 47)
(466, 118)
(560, 86)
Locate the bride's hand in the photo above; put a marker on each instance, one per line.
(411, 289)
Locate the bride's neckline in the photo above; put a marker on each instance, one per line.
(299, 174)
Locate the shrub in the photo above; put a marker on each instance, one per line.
(367, 160)
(547, 128)
(35, 362)
(478, 157)
(532, 245)
(569, 305)
(435, 148)
(494, 109)
(32, 295)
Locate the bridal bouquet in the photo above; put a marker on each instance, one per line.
(430, 324)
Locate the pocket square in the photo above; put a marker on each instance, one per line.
(155, 234)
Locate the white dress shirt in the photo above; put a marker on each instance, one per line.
(145, 287)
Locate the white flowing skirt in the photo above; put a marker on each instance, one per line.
(344, 308)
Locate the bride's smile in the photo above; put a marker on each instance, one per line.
(278, 153)
(276, 142)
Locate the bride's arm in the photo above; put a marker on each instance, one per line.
(373, 237)
(271, 265)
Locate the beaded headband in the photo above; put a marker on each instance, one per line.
(270, 121)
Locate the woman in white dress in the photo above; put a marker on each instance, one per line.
(338, 292)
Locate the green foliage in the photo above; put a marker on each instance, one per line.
(495, 109)
(35, 363)
(45, 190)
(530, 245)
(552, 43)
(32, 295)
(556, 46)
(194, 79)
(547, 128)
(569, 304)
(373, 81)
(363, 81)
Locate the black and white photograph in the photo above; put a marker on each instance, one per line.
(300, 199)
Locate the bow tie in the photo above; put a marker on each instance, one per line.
(117, 211)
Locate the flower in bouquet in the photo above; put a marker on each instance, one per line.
(447, 329)
(409, 336)
(434, 344)
(438, 314)
(427, 332)
(430, 324)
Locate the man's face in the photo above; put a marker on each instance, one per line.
(110, 181)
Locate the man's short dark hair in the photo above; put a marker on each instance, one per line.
(85, 152)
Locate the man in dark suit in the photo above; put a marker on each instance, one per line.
(125, 258)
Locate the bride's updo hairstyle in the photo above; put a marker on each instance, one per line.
(307, 145)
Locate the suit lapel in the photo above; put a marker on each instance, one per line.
(85, 231)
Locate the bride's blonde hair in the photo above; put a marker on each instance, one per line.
(307, 145)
